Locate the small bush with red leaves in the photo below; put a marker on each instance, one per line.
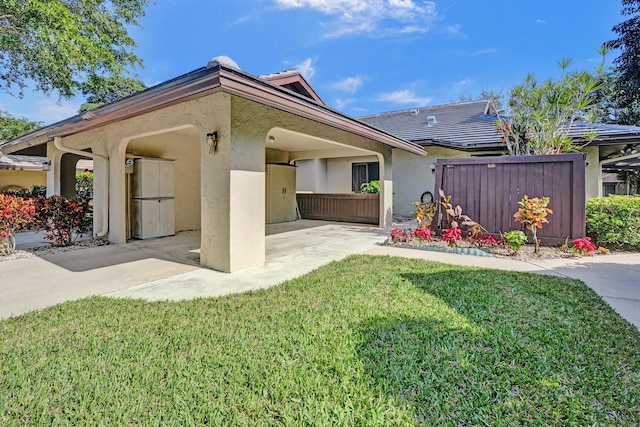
(583, 246)
(62, 219)
(14, 212)
(488, 240)
(452, 236)
(423, 233)
(399, 235)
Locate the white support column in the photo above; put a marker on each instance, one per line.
(386, 189)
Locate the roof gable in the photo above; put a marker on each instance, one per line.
(294, 81)
(214, 78)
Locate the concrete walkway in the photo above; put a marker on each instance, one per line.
(166, 269)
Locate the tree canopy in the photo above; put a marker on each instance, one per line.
(54, 42)
(103, 90)
(12, 127)
(626, 94)
(541, 113)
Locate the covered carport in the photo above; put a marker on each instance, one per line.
(220, 127)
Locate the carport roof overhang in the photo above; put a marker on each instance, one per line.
(196, 84)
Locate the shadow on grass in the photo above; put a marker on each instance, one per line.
(507, 348)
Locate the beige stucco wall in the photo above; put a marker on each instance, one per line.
(21, 178)
(412, 176)
(307, 174)
(256, 120)
(329, 175)
(228, 185)
(593, 176)
(339, 172)
(184, 149)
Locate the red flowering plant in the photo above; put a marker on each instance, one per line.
(396, 234)
(452, 236)
(399, 235)
(14, 211)
(423, 233)
(583, 246)
(488, 240)
(63, 219)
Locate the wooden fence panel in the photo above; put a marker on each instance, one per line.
(489, 188)
(361, 208)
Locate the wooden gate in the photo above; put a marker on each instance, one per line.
(489, 188)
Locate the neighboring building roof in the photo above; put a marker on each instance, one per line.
(17, 162)
(468, 126)
(460, 125)
(216, 77)
(14, 162)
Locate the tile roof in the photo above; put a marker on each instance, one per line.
(467, 126)
(16, 162)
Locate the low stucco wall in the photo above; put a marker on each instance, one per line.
(21, 178)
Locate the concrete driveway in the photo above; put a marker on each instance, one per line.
(167, 269)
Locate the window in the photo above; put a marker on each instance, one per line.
(363, 173)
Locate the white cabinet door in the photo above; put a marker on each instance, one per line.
(166, 217)
(153, 178)
(280, 194)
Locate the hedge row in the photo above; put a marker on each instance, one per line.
(614, 221)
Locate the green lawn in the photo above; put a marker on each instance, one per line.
(365, 341)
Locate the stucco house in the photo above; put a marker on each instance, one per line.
(195, 153)
(24, 172)
(21, 172)
(456, 130)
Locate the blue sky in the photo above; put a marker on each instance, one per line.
(365, 56)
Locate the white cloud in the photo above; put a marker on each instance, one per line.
(541, 21)
(350, 84)
(453, 30)
(404, 97)
(490, 51)
(343, 103)
(306, 68)
(366, 16)
(461, 84)
(48, 111)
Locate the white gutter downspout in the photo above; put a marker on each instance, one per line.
(615, 159)
(104, 226)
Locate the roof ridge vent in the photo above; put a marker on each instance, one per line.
(223, 60)
(414, 112)
(431, 120)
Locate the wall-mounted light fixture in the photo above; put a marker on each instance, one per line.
(271, 139)
(212, 140)
(46, 165)
(432, 166)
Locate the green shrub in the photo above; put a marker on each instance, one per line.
(36, 191)
(84, 185)
(372, 187)
(614, 221)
